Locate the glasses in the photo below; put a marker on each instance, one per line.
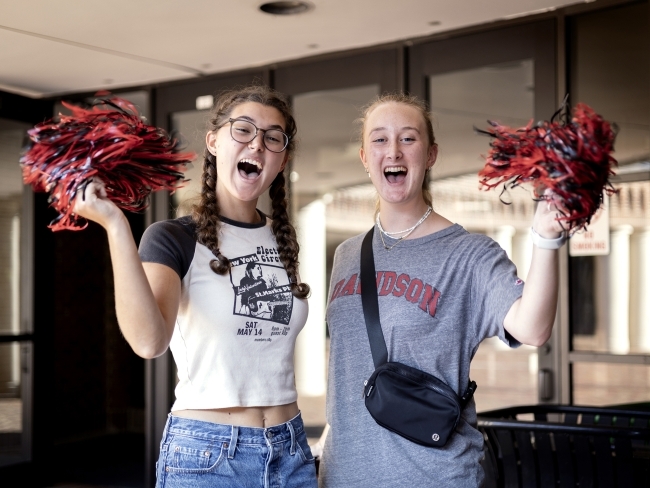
(244, 131)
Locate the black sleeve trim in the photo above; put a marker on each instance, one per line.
(169, 242)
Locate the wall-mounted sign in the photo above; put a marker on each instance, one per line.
(595, 240)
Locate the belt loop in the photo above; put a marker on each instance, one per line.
(233, 442)
(293, 438)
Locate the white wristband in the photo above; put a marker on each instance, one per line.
(544, 243)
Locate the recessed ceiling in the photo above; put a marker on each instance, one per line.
(49, 48)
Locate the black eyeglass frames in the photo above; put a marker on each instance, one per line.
(244, 131)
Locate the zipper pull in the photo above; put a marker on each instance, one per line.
(363, 395)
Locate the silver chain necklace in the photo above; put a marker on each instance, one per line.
(406, 232)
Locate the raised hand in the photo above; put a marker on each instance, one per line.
(92, 203)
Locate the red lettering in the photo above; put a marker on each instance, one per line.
(348, 289)
(429, 301)
(337, 289)
(389, 280)
(414, 290)
(401, 284)
(379, 275)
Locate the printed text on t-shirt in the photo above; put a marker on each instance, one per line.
(413, 290)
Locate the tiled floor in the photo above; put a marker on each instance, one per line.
(11, 415)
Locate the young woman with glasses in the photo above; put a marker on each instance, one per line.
(235, 421)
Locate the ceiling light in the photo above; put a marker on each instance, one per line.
(285, 8)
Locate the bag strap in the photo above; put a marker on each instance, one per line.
(370, 305)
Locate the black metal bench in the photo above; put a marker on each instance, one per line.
(566, 446)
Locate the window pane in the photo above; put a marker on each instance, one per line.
(609, 294)
(11, 404)
(603, 384)
(193, 127)
(460, 101)
(12, 139)
(328, 154)
(610, 72)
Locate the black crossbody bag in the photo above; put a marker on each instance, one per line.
(405, 400)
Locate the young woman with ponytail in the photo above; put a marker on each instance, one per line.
(221, 289)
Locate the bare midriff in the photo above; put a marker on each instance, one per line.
(244, 416)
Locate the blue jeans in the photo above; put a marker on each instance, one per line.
(199, 454)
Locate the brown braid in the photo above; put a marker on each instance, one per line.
(285, 236)
(206, 213)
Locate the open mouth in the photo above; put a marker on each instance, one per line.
(249, 168)
(395, 174)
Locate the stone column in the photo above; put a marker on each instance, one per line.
(619, 289)
(310, 345)
(503, 235)
(522, 252)
(641, 290)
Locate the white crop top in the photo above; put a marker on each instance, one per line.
(235, 334)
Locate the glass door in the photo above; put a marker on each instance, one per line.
(508, 76)
(610, 314)
(16, 337)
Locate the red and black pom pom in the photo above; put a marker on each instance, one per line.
(109, 141)
(572, 159)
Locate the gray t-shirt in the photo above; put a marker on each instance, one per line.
(439, 297)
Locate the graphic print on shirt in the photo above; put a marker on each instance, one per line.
(413, 290)
(262, 290)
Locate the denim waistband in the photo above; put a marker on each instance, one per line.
(244, 435)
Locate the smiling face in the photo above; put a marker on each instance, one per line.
(245, 170)
(396, 152)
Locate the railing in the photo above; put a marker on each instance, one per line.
(568, 446)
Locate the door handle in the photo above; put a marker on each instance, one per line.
(545, 385)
